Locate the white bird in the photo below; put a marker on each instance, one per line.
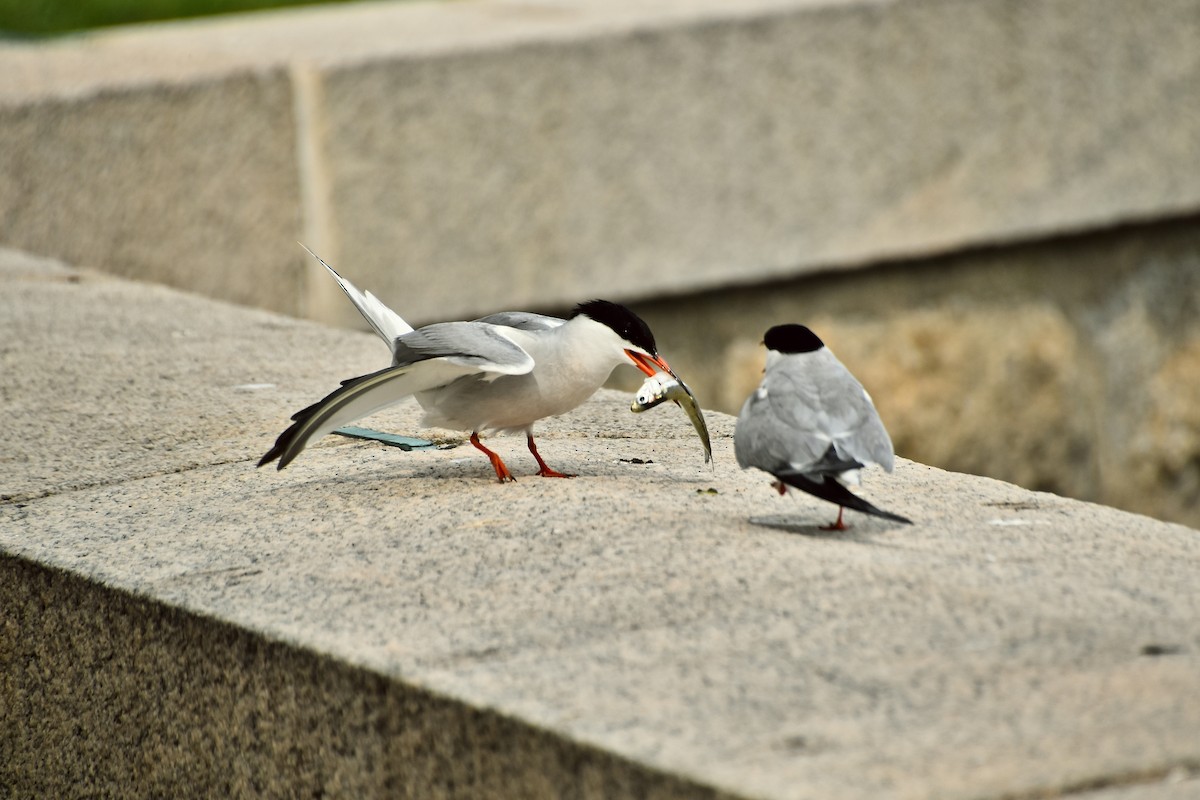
(502, 372)
(811, 424)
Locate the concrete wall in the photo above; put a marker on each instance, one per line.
(1004, 165)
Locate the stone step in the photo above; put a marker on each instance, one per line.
(374, 623)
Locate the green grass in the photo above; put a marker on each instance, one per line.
(44, 17)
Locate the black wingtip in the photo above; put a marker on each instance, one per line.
(879, 512)
(285, 439)
(280, 449)
(834, 492)
(287, 446)
(275, 452)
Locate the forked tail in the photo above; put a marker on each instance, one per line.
(834, 492)
(387, 323)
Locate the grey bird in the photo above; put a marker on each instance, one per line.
(811, 424)
(502, 372)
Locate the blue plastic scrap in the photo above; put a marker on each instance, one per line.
(403, 442)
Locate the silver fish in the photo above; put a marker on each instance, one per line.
(653, 391)
(661, 387)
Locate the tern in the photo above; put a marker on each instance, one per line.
(811, 424)
(502, 372)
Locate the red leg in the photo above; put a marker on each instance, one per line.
(545, 471)
(502, 473)
(836, 526)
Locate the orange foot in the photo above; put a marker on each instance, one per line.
(544, 470)
(838, 525)
(502, 473)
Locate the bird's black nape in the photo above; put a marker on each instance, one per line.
(792, 339)
(628, 325)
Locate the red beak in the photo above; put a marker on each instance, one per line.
(648, 364)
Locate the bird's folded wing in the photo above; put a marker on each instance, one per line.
(522, 320)
(830, 408)
(480, 345)
(820, 401)
(869, 443)
(360, 397)
(780, 427)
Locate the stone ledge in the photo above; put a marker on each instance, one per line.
(111, 694)
(381, 621)
(542, 152)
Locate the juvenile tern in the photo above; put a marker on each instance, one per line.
(502, 372)
(811, 424)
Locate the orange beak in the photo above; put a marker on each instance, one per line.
(648, 364)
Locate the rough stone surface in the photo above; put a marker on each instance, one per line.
(120, 696)
(1178, 784)
(112, 380)
(458, 157)
(191, 185)
(742, 149)
(380, 622)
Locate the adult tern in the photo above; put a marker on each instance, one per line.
(811, 424)
(502, 372)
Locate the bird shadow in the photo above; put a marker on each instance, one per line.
(860, 532)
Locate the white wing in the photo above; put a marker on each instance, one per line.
(360, 397)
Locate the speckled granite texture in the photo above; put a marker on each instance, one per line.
(375, 623)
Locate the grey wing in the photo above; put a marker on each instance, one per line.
(770, 441)
(522, 320)
(869, 441)
(751, 434)
(827, 406)
(474, 344)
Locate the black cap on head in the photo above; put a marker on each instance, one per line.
(628, 325)
(792, 339)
